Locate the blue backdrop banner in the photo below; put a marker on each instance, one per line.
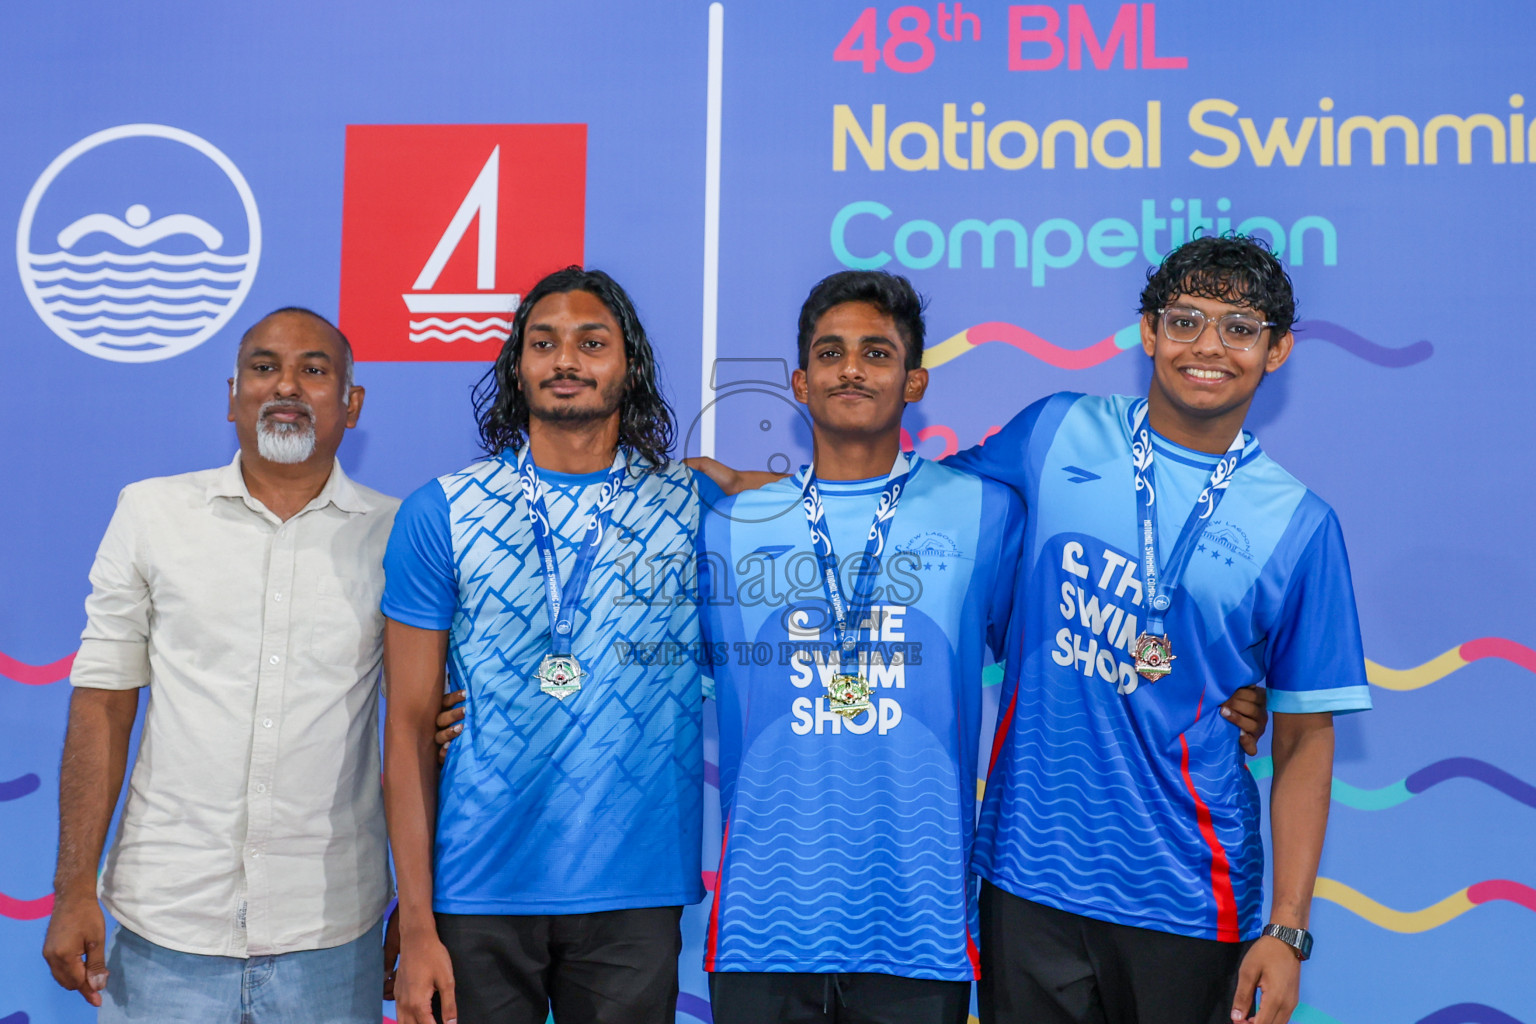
(175, 171)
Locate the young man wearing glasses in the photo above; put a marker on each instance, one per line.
(1119, 838)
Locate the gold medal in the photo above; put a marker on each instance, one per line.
(848, 695)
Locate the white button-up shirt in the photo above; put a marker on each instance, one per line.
(255, 822)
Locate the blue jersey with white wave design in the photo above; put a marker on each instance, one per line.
(1124, 800)
(846, 842)
(593, 802)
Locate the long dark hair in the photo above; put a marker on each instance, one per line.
(646, 423)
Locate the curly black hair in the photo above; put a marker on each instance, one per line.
(647, 426)
(891, 294)
(1234, 268)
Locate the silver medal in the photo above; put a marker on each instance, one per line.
(559, 675)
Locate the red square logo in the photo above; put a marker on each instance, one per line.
(445, 228)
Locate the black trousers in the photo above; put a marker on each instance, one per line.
(1040, 965)
(609, 967)
(746, 997)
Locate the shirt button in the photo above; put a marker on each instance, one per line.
(266, 722)
(277, 597)
(255, 854)
(274, 659)
(261, 787)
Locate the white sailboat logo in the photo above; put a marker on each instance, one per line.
(482, 199)
(110, 286)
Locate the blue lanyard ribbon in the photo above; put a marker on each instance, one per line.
(1161, 585)
(846, 619)
(563, 601)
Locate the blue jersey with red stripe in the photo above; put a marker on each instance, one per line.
(847, 842)
(1116, 798)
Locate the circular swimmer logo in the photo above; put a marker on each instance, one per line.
(138, 243)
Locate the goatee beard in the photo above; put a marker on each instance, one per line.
(285, 443)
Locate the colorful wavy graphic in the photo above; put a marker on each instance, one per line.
(35, 675)
(19, 787)
(1461, 1013)
(1468, 1013)
(1106, 349)
(1032, 344)
(1458, 657)
(1412, 922)
(1364, 348)
(25, 910)
(1406, 789)
(695, 1007)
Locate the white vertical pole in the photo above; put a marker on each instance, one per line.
(711, 229)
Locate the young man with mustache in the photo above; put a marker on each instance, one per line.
(563, 841)
(848, 769)
(249, 872)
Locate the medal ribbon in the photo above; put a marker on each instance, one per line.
(563, 601)
(1161, 585)
(845, 618)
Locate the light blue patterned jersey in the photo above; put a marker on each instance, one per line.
(1124, 800)
(589, 803)
(846, 843)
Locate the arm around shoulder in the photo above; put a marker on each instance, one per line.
(1004, 455)
(731, 481)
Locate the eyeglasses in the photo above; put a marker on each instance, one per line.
(1236, 330)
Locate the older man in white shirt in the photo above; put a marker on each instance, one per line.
(249, 873)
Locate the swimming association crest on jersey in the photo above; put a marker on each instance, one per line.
(1225, 541)
(935, 550)
(445, 227)
(138, 242)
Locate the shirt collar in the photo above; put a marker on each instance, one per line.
(339, 490)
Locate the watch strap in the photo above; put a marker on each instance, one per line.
(1299, 939)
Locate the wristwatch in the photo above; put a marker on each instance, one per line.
(1299, 939)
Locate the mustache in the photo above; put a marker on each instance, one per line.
(285, 405)
(560, 378)
(853, 389)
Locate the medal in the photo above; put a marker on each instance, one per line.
(848, 695)
(1154, 651)
(848, 692)
(1154, 656)
(559, 674)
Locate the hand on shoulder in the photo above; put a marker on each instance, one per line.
(732, 481)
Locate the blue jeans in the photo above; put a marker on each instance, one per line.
(340, 985)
